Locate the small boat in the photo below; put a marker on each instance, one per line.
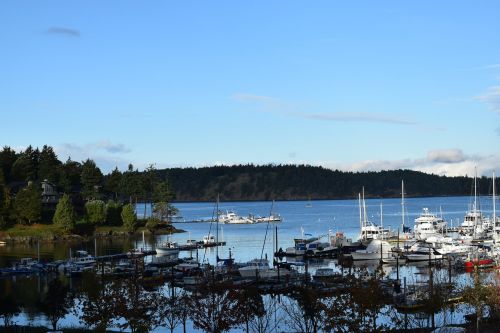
(423, 252)
(168, 248)
(376, 250)
(273, 218)
(233, 218)
(327, 275)
(82, 258)
(259, 268)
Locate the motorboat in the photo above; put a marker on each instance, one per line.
(421, 251)
(233, 218)
(83, 258)
(259, 268)
(428, 224)
(376, 250)
(168, 248)
(273, 218)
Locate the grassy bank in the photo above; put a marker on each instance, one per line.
(51, 233)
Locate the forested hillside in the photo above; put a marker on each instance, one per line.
(295, 182)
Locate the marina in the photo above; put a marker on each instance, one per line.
(324, 262)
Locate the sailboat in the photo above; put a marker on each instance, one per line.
(472, 226)
(495, 219)
(369, 230)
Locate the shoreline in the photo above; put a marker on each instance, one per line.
(49, 234)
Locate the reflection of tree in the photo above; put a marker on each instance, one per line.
(98, 307)
(8, 308)
(356, 308)
(56, 302)
(304, 310)
(135, 305)
(215, 308)
(169, 309)
(121, 303)
(267, 320)
(249, 305)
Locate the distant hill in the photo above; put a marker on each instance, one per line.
(301, 182)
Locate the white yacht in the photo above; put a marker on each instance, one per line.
(370, 230)
(376, 250)
(427, 225)
(447, 245)
(422, 251)
(233, 218)
(273, 218)
(474, 219)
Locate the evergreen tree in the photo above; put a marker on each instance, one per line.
(7, 159)
(48, 167)
(91, 178)
(130, 185)
(65, 214)
(69, 178)
(112, 183)
(95, 211)
(129, 218)
(25, 168)
(113, 213)
(28, 205)
(162, 196)
(3, 200)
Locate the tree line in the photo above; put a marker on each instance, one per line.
(83, 193)
(88, 190)
(302, 182)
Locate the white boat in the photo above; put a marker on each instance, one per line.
(233, 218)
(472, 224)
(83, 258)
(168, 248)
(376, 250)
(428, 224)
(447, 245)
(421, 251)
(273, 218)
(370, 230)
(259, 268)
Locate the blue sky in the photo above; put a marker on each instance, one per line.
(357, 85)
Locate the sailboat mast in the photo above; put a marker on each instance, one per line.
(217, 232)
(364, 208)
(360, 217)
(494, 204)
(403, 204)
(381, 216)
(475, 202)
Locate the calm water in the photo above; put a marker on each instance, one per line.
(246, 241)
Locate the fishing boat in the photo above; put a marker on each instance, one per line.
(168, 248)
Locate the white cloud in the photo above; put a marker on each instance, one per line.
(446, 156)
(491, 98)
(278, 106)
(452, 162)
